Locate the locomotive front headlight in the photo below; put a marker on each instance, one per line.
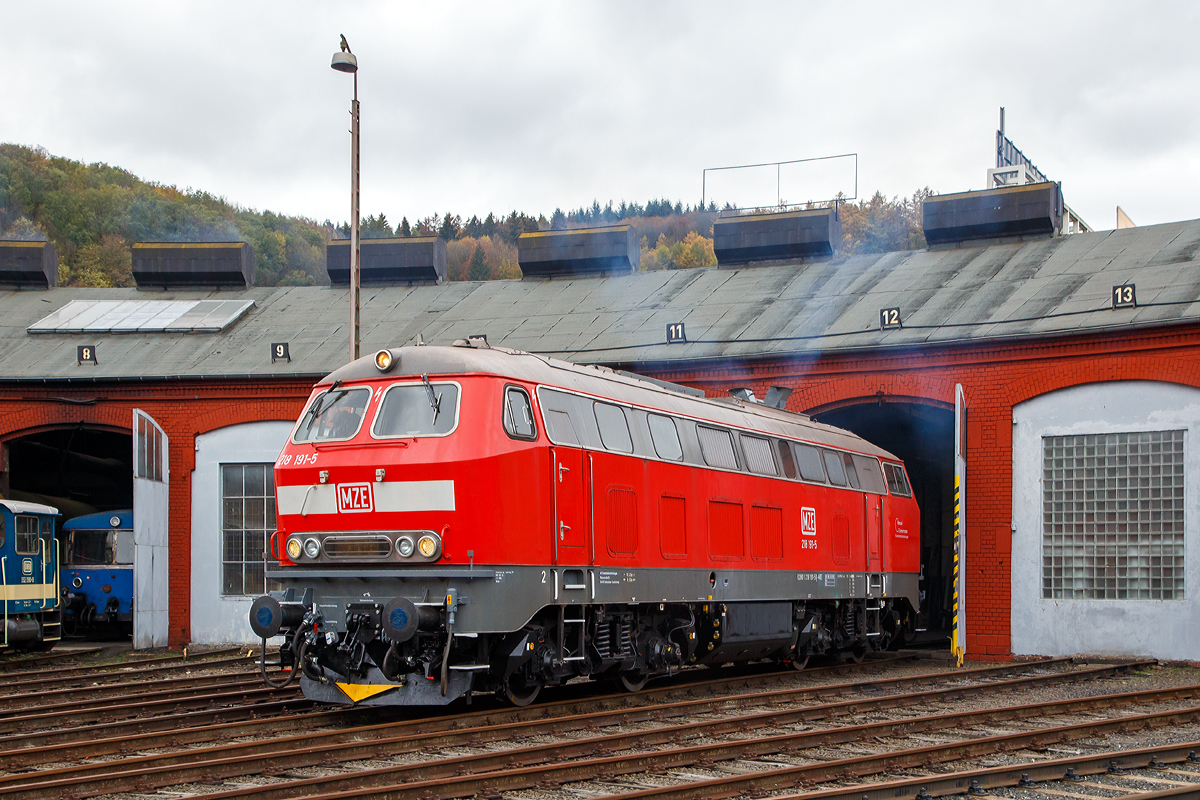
(294, 549)
(383, 360)
(312, 548)
(428, 546)
(405, 546)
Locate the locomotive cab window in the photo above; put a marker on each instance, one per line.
(809, 461)
(334, 415)
(666, 437)
(758, 455)
(897, 481)
(614, 430)
(417, 409)
(518, 414)
(716, 446)
(833, 466)
(851, 471)
(26, 535)
(869, 476)
(785, 458)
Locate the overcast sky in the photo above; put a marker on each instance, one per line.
(498, 106)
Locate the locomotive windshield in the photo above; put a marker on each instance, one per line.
(334, 415)
(417, 409)
(89, 548)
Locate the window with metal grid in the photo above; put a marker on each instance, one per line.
(247, 522)
(1112, 516)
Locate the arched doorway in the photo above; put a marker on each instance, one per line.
(922, 435)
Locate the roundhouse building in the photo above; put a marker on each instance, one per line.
(1077, 359)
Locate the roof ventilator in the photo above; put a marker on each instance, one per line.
(389, 262)
(750, 239)
(28, 265)
(583, 252)
(1033, 210)
(193, 265)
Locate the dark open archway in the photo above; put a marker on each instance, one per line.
(78, 469)
(923, 437)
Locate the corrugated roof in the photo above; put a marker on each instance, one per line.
(964, 294)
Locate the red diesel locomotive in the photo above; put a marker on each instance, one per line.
(476, 519)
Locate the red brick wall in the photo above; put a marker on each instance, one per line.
(995, 378)
(184, 410)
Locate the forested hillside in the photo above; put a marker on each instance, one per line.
(93, 213)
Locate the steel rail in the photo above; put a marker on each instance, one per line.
(91, 676)
(440, 779)
(175, 660)
(44, 698)
(93, 740)
(1025, 775)
(63, 655)
(413, 735)
(149, 772)
(242, 692)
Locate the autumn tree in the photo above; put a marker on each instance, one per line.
(477, 267)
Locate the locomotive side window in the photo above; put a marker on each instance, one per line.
(614, 429)
(851, 472)
(897, 482)
(27, 535)
(559, 428)
(90, 547)
(666, 437)
(333, 415)
(518, 414)
(758, 455)
(417, 409)
(869, 475)
(833, 465)
(809, 459)
(785, 457)
(717, 447)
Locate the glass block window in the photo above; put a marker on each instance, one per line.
(1112, 516)
(247, 522)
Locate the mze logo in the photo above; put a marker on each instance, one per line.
(354, 497)
(808, 521)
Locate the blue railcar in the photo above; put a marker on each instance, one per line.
(29, 564)
(97, 573)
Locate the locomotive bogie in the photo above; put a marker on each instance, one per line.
(473, 519)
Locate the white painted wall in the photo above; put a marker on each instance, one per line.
(1154, 628)
(217, 619)
(151, 507)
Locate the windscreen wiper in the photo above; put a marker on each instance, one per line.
(435, 400)
(318, 408)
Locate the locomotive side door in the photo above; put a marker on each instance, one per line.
(570, 506)
(874, 525)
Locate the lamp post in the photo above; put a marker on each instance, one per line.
(344, 61)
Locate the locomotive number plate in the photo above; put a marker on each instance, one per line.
(354, 497)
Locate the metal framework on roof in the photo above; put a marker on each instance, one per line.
(968, 294)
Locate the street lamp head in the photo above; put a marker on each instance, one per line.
(344, 62)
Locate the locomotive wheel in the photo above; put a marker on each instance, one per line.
(799, 662)
(856, 654)
(520, 693)
(633, 681)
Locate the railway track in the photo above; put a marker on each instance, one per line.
(583, 758)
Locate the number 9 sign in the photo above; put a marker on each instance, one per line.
(279, 350)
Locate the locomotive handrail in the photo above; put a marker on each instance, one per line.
(300, 572)
(4, 584)
(42, 553)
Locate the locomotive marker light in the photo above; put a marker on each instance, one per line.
(405, 546)
(383, 360)
(312, 548)
(294, 549)
(428, 546)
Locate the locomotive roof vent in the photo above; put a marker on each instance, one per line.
(751, 239)
(388, 262)
(28, 265)
(583, 252)
(1033, 210)
(193, 265)
(777, 396)
(674, 387)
